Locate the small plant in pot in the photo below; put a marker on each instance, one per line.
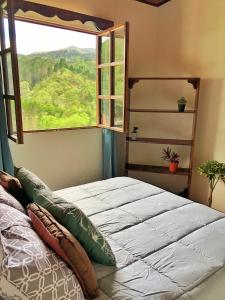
(134, 133)
(182, 104)
(215, 172)
(173, 159)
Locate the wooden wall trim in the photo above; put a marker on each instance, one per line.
(64, 15)
(154, 2)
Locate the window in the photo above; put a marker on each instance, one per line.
(10, 75)
(57, 69)
(112, 77)
(51, 76)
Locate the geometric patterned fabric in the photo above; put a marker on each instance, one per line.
(28, 269)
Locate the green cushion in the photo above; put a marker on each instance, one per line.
(73, 218)
(30, 182)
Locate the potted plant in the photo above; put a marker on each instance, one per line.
(215, 172)
(181, 104)
(134, 133)
(173, 159)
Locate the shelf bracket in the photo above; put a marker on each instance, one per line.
(132, 82)
(194, 82)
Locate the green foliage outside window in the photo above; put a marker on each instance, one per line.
(58, 89)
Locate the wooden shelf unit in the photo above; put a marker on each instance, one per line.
(161, 141)
(157, 169)
(195, 82)
(167, 111)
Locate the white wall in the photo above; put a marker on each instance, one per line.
(62, 158)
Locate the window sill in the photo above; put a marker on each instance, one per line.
(59, 129)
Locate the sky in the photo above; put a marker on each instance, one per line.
(32, 38)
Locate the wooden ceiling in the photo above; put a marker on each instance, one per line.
(156, 3)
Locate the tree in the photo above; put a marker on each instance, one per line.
(215, 172)
(58, 89)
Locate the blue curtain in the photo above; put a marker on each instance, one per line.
(109, 144)
(6, 163)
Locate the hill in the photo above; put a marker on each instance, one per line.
(58, 88)
(69, 54)
(37, 66)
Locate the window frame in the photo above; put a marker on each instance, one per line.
(112, 64)
(16, 136)
(65, 28)
(47, 11)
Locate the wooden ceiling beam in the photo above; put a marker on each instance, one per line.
(155, 3)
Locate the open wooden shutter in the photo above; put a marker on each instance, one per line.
(112, 77)
(10, 72)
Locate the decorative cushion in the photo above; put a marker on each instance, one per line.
(79, 225)
(29, 182)
(6, 198)
(14, 187)
(66, 246)
(8, 291)
(7, 180)
(28, 265)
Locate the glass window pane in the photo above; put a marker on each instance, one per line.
(104, 50)
(118, 113)
(6, 29)
(105, 112)
(105, 84)
(119, 79)
(10, 76)
(119, 44)
(57, 82)
(2, 83)
(13, 115)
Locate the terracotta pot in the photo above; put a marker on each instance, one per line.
(173, 167)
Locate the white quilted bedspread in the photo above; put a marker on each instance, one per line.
(166, 247)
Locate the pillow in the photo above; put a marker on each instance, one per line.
(66, 246)
(29, 182)
(14, 187)
(73, 218)
(6, 198)
(6, 180)
(8, 291)
(30, 267)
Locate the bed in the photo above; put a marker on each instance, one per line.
(166, 247)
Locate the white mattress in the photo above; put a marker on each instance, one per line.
(166, 247)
